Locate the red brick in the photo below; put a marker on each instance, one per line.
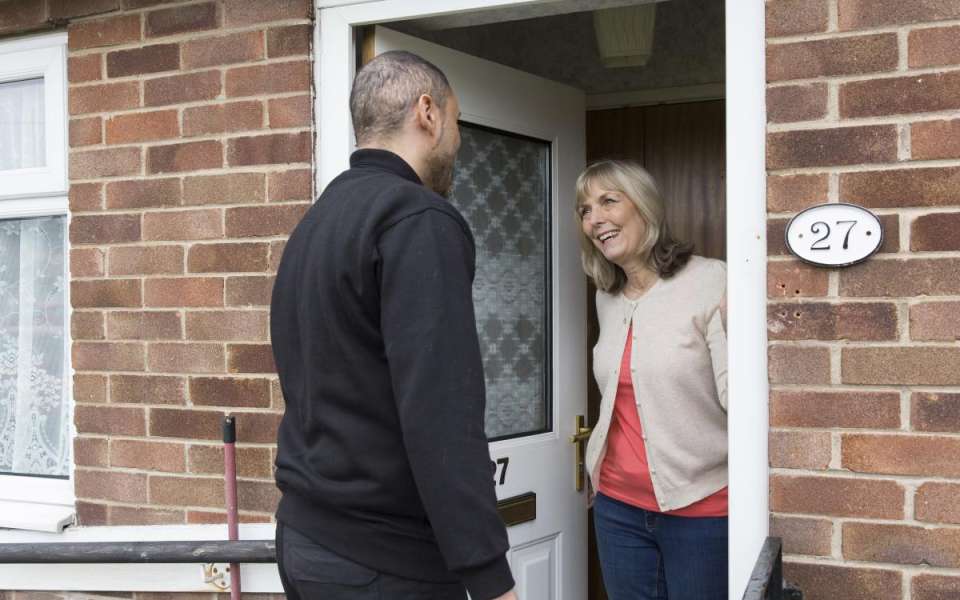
(233, 188)
(937, 503)
(276, 253)
(111, 485)
(836, 496)
(275, 78)
(857, 321)
(292, 185)
(291, 112)
(104, 163)
(250, 358)
(251, 462)
(219, 118)
(184, 423)
(150, 260)
(181, 19)
(829, 582)
(108, 31)
(796, 364)
(901, 366)
(184, 291)
(910, 277)
(130, 515)
(901, 95)
(864, 14)
(901, 544)
(143, 193)
(86, 196)
(107, 356)
(85, 132)
(147, 389)
(181, 88)
(81, 69)
(258, 428)
(104, 97)
(931, 140)
(89, 513)
(219, 517)
(803, 536)
(934, 46)
(278, 148)
(935, 411)
(147, 59)
(15, 17)
(834, 409)
(935, 232)
(87, 326)
(185, 358)
(152, 325)
(142, 127)
(288, 41)
(258, 495)
(249, 393)
(831, 57)
(831, 147)
(86, 262)
(901, 455)
(255, 12)
(228, 49)
(90, 388)
(939, 186)
(790, 193)
(926, 586)
(249, 291)
(183, 225)
(90, 452)
(791, 17)
(256, 221)
(189, 156)
(105, 293)
(797, 103)
(218, 258)
(236, 325)
(153, 456)
(109, 420)
(66, 9)
(799, 449)
(186, 491)
(276, 392)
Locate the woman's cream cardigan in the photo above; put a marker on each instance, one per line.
(679, 372)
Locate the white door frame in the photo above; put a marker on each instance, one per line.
(746, 223)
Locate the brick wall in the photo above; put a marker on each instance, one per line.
(191, 150)
(863, 103)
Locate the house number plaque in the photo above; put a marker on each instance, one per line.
(834, 235)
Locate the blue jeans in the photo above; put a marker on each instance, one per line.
(652, 556)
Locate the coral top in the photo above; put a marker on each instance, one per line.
(625, 474)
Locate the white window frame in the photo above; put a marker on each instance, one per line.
(41, 503)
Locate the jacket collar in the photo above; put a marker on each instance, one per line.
(384, 160)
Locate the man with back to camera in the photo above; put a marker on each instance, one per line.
(382, 461)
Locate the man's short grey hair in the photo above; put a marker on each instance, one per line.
(386, 89)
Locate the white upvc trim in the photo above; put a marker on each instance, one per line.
(690, 93)
(35, 516)
(746, 288)
(257, 578)
(35, 57)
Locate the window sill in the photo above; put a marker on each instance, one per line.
(34, 516)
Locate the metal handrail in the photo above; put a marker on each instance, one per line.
(766, 581)
(214, 551)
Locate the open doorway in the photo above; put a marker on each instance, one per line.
(673, 121)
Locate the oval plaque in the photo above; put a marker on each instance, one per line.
(834, 235)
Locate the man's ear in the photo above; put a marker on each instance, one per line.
(427, 114)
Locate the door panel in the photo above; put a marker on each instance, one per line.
(523, 149)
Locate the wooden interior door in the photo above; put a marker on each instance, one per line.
(682, 146)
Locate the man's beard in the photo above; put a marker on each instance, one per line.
(440, 176)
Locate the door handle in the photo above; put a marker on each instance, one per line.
(581, 433)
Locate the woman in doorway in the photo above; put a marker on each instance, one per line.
(658, 453)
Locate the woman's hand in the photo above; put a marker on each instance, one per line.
(511, 595)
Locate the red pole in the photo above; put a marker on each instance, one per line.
(230, 483)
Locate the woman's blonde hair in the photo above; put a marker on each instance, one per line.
(664, 253)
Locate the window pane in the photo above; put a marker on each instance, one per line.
(501, 185)
(34, 423)
(21, 124)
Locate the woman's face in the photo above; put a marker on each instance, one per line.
(612, 222)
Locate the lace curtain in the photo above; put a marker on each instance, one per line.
(34, 416)
(21, 124)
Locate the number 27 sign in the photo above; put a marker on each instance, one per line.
(834, 235)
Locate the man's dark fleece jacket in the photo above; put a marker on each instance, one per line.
(382, 454)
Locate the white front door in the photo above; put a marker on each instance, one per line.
(523, 147)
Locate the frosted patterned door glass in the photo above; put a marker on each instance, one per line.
(34, 422)
(21, 124)
(501, 185)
